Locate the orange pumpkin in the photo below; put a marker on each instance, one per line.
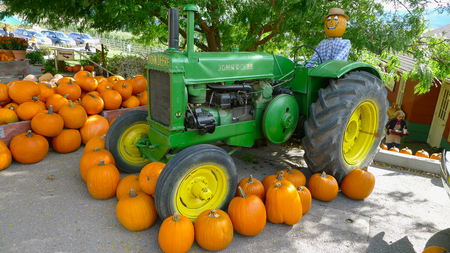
(102, 180)
(422, 153)
(96, 125)
(394, 149)
(112, 99)
(46, 91)
(213, 230)
(92, 104)
(132, 101)
(251, 186)
(176, 228)
(103, 85)
(149, 176)
(23, 91)
(305, 198)
(4, 95)
(383, 146)
(74, 115)
(95, 142)
(112, 121)
(125, 185)
(435, 249)
(124, 88)
(5, 156)
(335, 25)
(139, 84)
(247, 213)
(114, 79)
(27, 110)
(143, 98)
(77, 68)
(294, 176)
(71, 88)
(47, 124)
(79, 74)
(57, 101)
(436, 156)
(67, 141)
(358, 184)
(137, 211)
(90, 159)
(89, 68)
(283, 204)
(13, 106)
(272, 179)
(28, 147)
(406, 151)
(88, 82)
(7, 115)
(323, 187)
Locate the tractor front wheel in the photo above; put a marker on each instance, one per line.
(196, 179)
(346, 124)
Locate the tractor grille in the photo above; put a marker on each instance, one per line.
(159, 84)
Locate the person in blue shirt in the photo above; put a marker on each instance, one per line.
(334, 48)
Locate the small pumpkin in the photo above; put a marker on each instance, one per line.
(294, 176)
(7, 116)
(47, 124)
(57, 101)
(137, 211)
(71, 88)
(102, 180)
(74, 116)
(92, 104)
(13, 106)
(139, 84)
(251, 186)
(179, 229)
(69, 140)
(335, 25)
(114, 79)
(383, 146)
(143, 98)
(112, 99)
(77, 68)
(394, 149)
(436, 156)
(46, 91)
(422, 153)
(305, 198)
(29, 147)
(89, 68)
(103, 85)
(95, 142)
(27, 110)
(149, 176)
(5, 156)
(96, 125)
(124, 186)
(4, 95)
(124, 88)
(406, 151)
(323, 187)
(213, 230)
(247, 213)
(88, 82)
(435, 249)
(271, 179)
(358, 184)
(90, 159)
(23, 91)
(283, 204)
(131, 102)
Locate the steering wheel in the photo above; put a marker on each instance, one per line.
(304, 56)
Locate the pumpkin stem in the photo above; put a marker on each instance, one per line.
(50, 110)
(35, 98)
(241, 191)
(278, 185)
(365, 168)
(300, 189)
(250, 180)
(280, 176)
(71, 105)
(49, 86)
(92, 95)
(11, 107)
(324, 175)
(96, 149)
(176, 217)
(70, 81)
(124, 85)
(289, 170)
(29, 134)
(102, 162)
(213, 214)
(132, 193)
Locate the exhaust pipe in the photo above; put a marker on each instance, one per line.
(173, 29)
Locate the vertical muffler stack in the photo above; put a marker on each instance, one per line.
(173, 28)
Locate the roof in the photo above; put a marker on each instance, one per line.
(407, 64)
(440, 31)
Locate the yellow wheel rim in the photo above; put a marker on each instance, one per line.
(359, 133)
(127, 143)
(203, 188)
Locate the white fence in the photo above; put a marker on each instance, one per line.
(129, 47)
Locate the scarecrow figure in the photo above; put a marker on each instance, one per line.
(334, 48)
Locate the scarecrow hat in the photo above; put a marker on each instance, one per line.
(335, 11)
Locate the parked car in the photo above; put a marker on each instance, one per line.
(83, 38)
(58, 38)
(445, 170)
(2, 33)
(28, 33)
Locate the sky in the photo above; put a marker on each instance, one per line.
(436, 20)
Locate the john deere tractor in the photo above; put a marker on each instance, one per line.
(197, 99)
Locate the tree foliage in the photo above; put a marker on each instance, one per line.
(277, 25)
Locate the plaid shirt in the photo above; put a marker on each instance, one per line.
(332, 49)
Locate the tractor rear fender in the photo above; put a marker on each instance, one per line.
(337, 68)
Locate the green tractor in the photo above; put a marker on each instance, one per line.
(237, 98)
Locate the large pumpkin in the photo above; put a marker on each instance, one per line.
(102, 180)
(96, 125)
(251, 186)
(283, 205)
(74, 116)
(149, 176)
(335, 26)
(247, 213)
(176, 234)
(294, 176)
(90, 159)
(67, 141)
(23, 91)
(5, 156)
(323, 187)
(137, 211)
(28, 147)
(358, 184)
(213, 230)
(305, 198)
(47, 124)
(125, 185)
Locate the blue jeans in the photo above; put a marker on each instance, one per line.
(392, 144)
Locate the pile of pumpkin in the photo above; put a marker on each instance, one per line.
(4, 57)
(407, 151)
(78, 67)
(279, 198)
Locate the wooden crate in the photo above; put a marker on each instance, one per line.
(111, 114)
(8, 131)
(18, 67)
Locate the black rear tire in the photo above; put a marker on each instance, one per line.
(325, 130)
